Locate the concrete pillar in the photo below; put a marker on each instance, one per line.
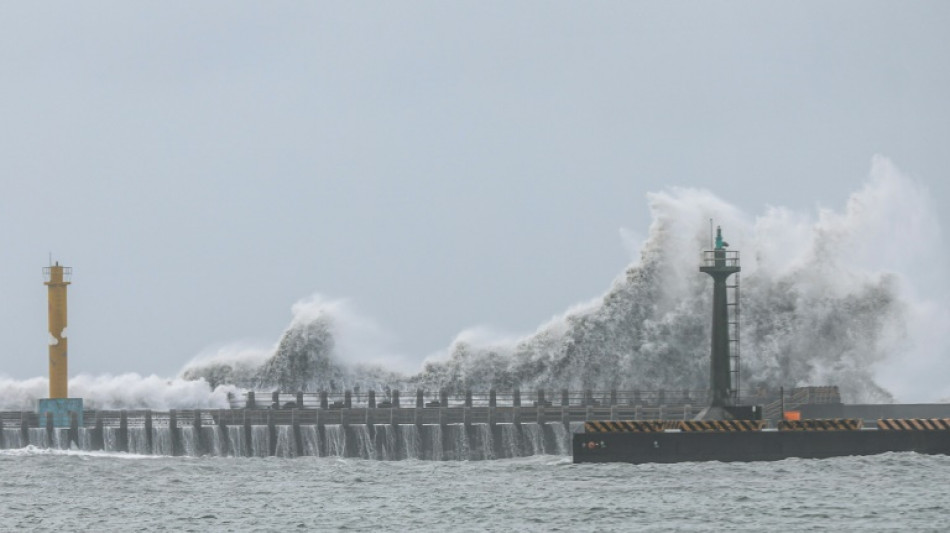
(588, 397)
(516, 400)
(321, 435)
(324, 400)
(122, 438)
(173, 435)
(248, 437)
(613, 397)
(251, 404)
(348, 399)
(443, 398)
(271, 434)
(223, 437)
(25, 429)
(540, 398)
(420, 400)
(295, 429)
(275, 399)
(200, 446)
(565, 398)
(98, 434)
(149, 449)
(541, 414)
(50, 430)
(444, 442)
(468, 398)
(299, 400)
(492, 398)
(72, 436)
(372, 399)
(395, 398)
(349, 441)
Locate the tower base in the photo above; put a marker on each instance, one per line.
(61, 409)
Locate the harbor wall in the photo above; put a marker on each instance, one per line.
(477, 433)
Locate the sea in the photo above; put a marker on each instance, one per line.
(70, 490)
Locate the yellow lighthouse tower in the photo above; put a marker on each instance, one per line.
(57, 279)
(59, 404)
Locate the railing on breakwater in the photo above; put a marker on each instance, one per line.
(442, 398)
(514, 398)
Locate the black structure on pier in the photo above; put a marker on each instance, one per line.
(720, 264)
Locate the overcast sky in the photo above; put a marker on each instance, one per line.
(204, 165)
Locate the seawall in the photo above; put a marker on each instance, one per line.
(451, 433)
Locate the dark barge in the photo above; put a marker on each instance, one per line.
(808, 439)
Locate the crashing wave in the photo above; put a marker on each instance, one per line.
(819, 306)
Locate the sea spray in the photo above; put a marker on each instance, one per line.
(124, 391)
(818, 307)
(850, 298)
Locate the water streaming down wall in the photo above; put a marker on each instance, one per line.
(236, 442)
(286, 445)
(38, 437)
(260, 441)
(12, 438)
(386, 442)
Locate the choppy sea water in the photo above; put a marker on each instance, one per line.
(46, 490)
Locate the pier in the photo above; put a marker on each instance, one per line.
(371, 425)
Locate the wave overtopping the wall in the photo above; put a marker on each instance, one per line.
(823, 301)
(849, 298)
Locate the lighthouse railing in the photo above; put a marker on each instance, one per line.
(720, 258)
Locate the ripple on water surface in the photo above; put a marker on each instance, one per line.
(56, 489)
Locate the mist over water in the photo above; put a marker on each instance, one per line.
(125, 391)
(852, 297)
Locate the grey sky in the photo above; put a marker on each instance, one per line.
(202, 166)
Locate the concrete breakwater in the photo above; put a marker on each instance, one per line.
(451, 433)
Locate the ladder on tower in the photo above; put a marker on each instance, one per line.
(732, 297)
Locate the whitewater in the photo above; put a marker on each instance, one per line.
(852, 297)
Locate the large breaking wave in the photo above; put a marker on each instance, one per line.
(852, 298)
(829, 298)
